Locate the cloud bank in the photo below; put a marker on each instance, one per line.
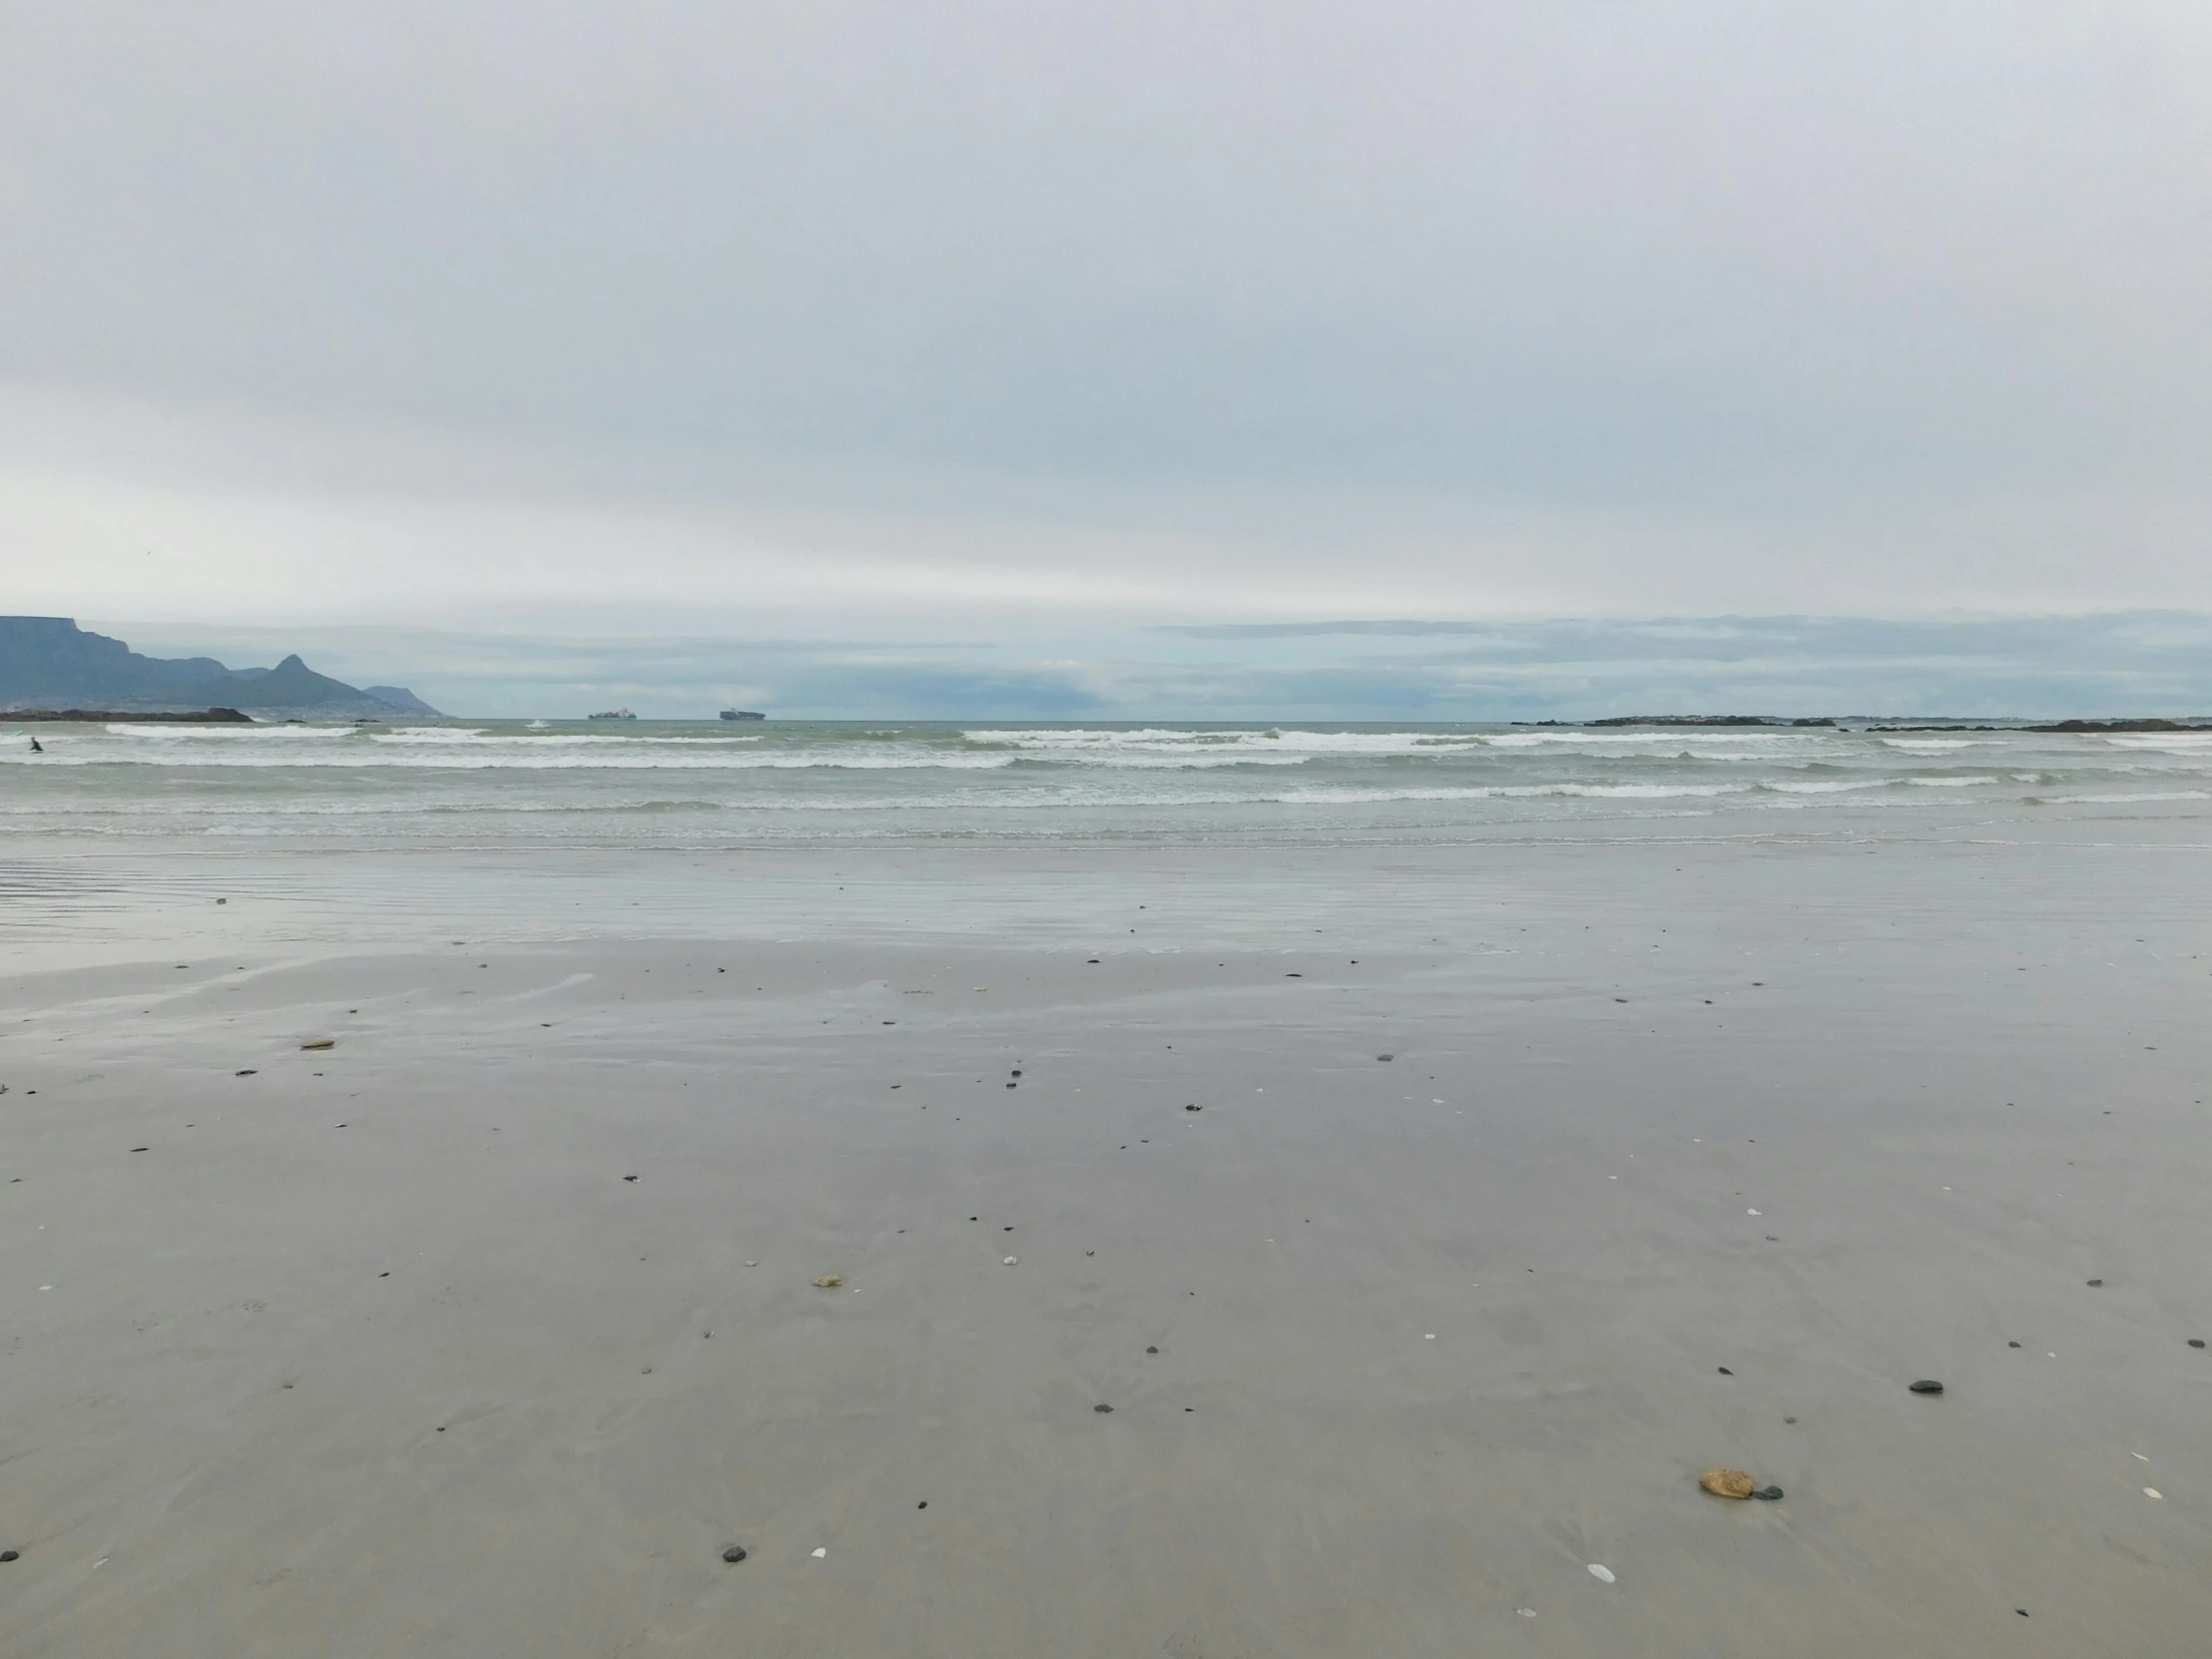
(962, 315)
(2136, 664)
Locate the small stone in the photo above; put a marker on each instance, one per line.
(10, 1555)
(1526, 1612)
(1384, 1056)
(1603, 1575)
(1151, 1350)
(1727, 1482)
(2196, 1342)
(1009, 1262)
(1926, 1386)
(1768, 1495)
(822, 1554)
(629, 1178)
(1102, 1406)
(733, 1554)
(321, 1043)
(923, 1504)
(2097, 1284)
(1725, 1372)
(247, 1072)
(829, 1282)
(2153, 1491)
(2011, 1344)
(1193, 1108)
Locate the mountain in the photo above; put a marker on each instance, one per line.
(48, 662)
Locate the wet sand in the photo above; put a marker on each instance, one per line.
(380, 1351)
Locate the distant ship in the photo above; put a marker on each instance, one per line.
(741, 713)
(613, 714)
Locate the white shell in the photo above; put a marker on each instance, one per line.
(1603, 1575)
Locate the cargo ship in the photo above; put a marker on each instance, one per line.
(741, 713)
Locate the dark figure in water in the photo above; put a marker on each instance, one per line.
(35, 748)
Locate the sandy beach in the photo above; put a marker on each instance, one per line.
(1532, 1180)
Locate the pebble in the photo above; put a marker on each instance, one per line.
(1768, 1495)
(1102, 1406)
(10, 1555)
(2153, 1491)
(1151, 1350)
(822, 1554)
(1726, 1482)
(2097, 1284)
(829, 1282)
(735, 1553)
(1926, 1386)
(1384, 1056)
(1603, 1575)
(1009, 1262)
(321, 1043)
(2196, 1342)
(1526, 1612)
(1193, 1108)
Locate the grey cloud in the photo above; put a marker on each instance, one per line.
(1922, 249)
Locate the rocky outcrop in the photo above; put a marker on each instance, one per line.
(2123, 726)
(197, 717)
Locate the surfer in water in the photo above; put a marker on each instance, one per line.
(35, 748)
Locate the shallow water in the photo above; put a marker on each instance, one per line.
(692, 785)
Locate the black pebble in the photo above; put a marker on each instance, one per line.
(140, 1148)
(2022, 1611)
(1193, 1108)
(1789, 1419)
(10, 1555)
(735, 1553)
(1725, 1372)
(1770, 1493)
(1383, 1056)
(249, 1072)
(1102, 1408)
(1154, 1350)
(629, 1178)
(1927, 1386)
(2097, 1284)
(923, 1504)
(2196, 1342)
(2011, 1344)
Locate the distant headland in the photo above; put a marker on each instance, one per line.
(51, 669)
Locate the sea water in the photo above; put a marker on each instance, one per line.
(490, 785)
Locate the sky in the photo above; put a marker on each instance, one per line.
(860, 355)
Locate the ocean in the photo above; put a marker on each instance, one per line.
(687, 785)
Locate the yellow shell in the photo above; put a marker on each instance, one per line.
(1727, 1482)
(832, 1281)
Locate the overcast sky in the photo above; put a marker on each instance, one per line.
(962, 320)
